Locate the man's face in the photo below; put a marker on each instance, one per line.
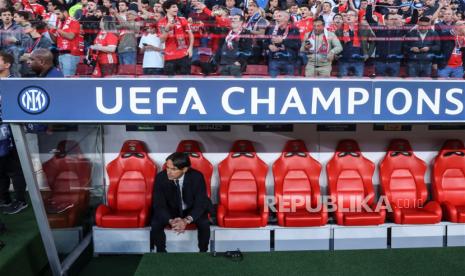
(6, 17)
(157, 16)
(130, 16)
(306, 13)
(282, 18)
(173, 10)
(394, 20)
(50, 7)
(60, 15)
(253, 8)
(423, 27)
(318, 27)
(351, 17)
(91, 6)
(294, 9)
(106, 3)
(35, 63)
(157, 7)
(172, 171)
(122, 7)
(18, 19)
(235, 21)
(327, 7)
(447, 16)
(230, 3)
(363, 5)
(4, 66)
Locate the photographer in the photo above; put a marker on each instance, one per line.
(90, 23)
(105, 47)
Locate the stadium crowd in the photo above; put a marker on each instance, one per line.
(313, 38)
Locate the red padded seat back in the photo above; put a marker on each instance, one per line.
(68, 171)
(242, 178)
(296, 175)
(402, 176)
(449, 173)
(198, 161)
(350, 175)
(131, 175)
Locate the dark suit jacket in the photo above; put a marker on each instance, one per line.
(194, 194)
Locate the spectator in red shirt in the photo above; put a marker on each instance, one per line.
(179, 40)
(33, 7)
(68, 38)
(105, 47)
(305, 25)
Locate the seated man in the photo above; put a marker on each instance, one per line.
(179, 198)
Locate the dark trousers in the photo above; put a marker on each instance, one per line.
(10, 168)
(158, 237)
(231, 70)
(180, 66)
(419, 68)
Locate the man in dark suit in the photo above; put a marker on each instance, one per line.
(179, 198)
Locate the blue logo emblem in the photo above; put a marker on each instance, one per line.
(33, 100)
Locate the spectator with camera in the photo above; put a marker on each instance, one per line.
(152, 48)
(176, 33)
(320, 46)
(234, 49)
(68, 39)
(282, 45)
(90, 23)
(104, 48)
(356, 45)
(421, 47)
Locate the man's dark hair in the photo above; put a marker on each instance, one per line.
(424, 19)
(124, 1)
(305, 6)
(39, 25)
(62, 8)
(7, 58)
(23, 14)
(318, 19)
(180, 159)
(166, 5)
(55, 3)
(6, 10)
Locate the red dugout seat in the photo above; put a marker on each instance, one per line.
(131, 175)
(198, 161)
(402, 177)
(296, 179)
(350, 183)
(68, 175)
(242, 188)
(449, 180)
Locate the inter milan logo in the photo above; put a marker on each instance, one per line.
(33, 100)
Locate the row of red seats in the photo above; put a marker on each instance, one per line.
(296, 174)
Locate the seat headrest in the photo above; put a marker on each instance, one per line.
(134, 148)
(242, 148)
(295, 148)
(191, 147)
(348, 147)
(452, 147)
(399, 147)
(67, 147)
